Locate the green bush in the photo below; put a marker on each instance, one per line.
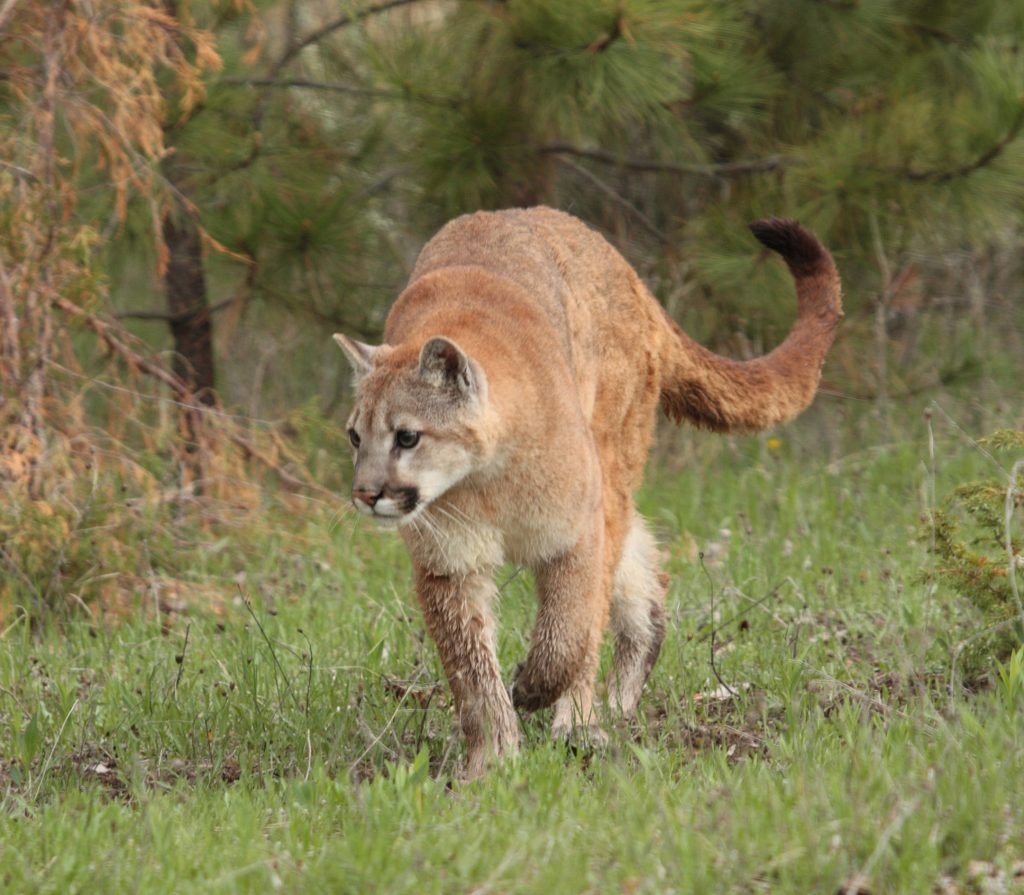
(977, 545)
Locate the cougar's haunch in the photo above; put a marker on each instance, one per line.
(508, 415)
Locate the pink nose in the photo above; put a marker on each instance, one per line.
(369, 496)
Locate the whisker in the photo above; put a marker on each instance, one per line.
(440, 539)
(342, 510)
(452, 508)
(460, 523)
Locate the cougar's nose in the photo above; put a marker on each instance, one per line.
(367, 495)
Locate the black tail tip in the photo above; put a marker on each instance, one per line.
(799, 247)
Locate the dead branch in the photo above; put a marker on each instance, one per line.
(166, 316)
(723, 169)
(10, 349)
(19, 171)
(6, 11)
(115, 341)
(110, 338)
(881, 318)
(324, 30)
(618, 199)
(330, 87)
(290, 481)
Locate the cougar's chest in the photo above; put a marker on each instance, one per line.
(448, 542)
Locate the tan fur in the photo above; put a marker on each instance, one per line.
(532, 359)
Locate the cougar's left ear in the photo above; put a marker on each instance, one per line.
(360, 356)
(446, 365)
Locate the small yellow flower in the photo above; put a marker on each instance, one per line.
(773, 444)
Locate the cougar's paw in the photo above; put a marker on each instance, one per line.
(580, 737)
(528, 693)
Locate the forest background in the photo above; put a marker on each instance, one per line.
(195, 195)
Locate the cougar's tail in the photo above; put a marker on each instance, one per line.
(729, 396)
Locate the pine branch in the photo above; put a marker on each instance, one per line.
(968, 168)
(330, 87)
(723, 169)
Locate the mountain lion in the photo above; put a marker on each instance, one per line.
(508, 416)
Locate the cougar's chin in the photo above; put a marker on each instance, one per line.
(388, 522)
(413, 513)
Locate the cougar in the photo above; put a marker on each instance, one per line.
(508, 416)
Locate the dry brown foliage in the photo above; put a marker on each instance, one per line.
(86, 411)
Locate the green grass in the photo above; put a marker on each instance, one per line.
(302, 741)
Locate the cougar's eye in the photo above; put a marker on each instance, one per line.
(353, 436)
(405, 439)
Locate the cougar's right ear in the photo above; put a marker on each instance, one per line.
(360, 356)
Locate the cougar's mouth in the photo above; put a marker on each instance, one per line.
(393, 507)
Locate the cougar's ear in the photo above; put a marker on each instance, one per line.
(360, 356)
(446, 365)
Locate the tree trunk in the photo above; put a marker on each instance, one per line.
(188, 307)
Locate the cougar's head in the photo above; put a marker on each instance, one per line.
(415, 424)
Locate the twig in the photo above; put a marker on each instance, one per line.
(324, 30)
(743, 612)
(15, 566)
(374, 739)
(17, 170)
(1011, 498)
(173, 402)
(292, 482)
(106, 333)
(883, 841)
(53, 748)
(172, 318)
(331, 87)
(113, 339)
(966, 642)
(180, 659)
(968, 168)
(932, 500)
(617, 198)
(723, 169)
(711, 596)
(270, 646)
(972, 442)
(881, 322)
(309, 679)
(424, 714)
(6, 11)
(10, 349)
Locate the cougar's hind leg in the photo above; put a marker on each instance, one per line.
(637, 618)
(575, 716)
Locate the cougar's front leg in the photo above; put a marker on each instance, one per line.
(459, 615)
(566, 639)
